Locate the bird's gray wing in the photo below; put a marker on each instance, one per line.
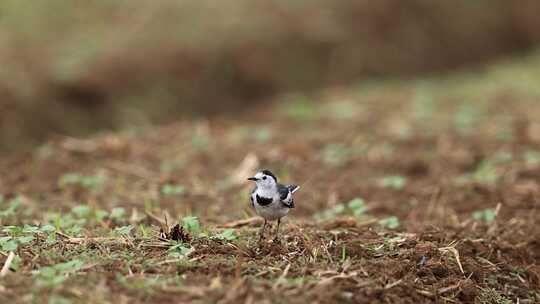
(285, 195)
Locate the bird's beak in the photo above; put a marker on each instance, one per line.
(252, 179)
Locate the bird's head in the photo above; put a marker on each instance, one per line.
(264, 179)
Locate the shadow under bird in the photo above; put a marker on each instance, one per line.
(271, 200)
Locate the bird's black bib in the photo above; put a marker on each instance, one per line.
(263, 201)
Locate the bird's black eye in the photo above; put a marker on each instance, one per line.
(264, 178)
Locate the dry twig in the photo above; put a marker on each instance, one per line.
(7, 264)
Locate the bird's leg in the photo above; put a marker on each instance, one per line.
(277, 231)
(262, 231)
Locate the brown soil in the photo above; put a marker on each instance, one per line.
(438, 254)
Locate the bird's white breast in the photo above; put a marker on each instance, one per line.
(274, 210)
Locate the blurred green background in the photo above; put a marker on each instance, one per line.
(76, 67)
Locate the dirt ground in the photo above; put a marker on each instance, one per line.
(402, 201)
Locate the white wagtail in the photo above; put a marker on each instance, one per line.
(271, 200)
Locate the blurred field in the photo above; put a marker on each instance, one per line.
(422, 190)
(76, 67)
(412, 127)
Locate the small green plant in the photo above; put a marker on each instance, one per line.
(491, 296)
(486, 172)
(486, 215)
(22, 236)
(335, 154)
(301, 110)
(396, 182)
(12, 206)
(94, 183)
(262, 134)
(532, 157)
(82, 216)
(191, 223)
(201, 138)
(179, 250)
(466, 118)
(53, 276)
(226, 235)
(356, 207)
(171, 190)
(124, 230)
(117, 213)
(391, 222)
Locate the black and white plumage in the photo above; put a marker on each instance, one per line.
(271, 200)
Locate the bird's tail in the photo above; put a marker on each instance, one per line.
(293, 188)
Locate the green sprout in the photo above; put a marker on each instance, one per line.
(486, 215)
(124, 230)
(226, 235)
(13, 205)
(179, 250)
(396, 182)
(171, 190)
(53, 276)
(191, 223)
(335, 154)
(356, 207)
(94, 183)
(391, 222)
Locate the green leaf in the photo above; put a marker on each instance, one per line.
(262, 134)
(70, 178)
(357, 203)
(486, 215)
(10, 245)
(179, 251)
(486, 172)
(25, 239)
(14, 230)
(81, 211)
(335, 154)
(16, 262)
(47, 228)
(391, 222)
(395, 182)
(51, 239)
(532, 157)
(4, 239)
(69, 267)
(226, 235)
(301, 109)
(93, 183)
(99, 215)
(358, 207)
(192, 224)
(170, 190)
(338, 209)
(55, 275)
(12, 208)
(30, 229)
(125, 230)
(117, 213)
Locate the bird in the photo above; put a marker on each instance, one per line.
(271, 200)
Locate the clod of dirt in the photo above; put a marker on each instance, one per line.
(177, 234)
